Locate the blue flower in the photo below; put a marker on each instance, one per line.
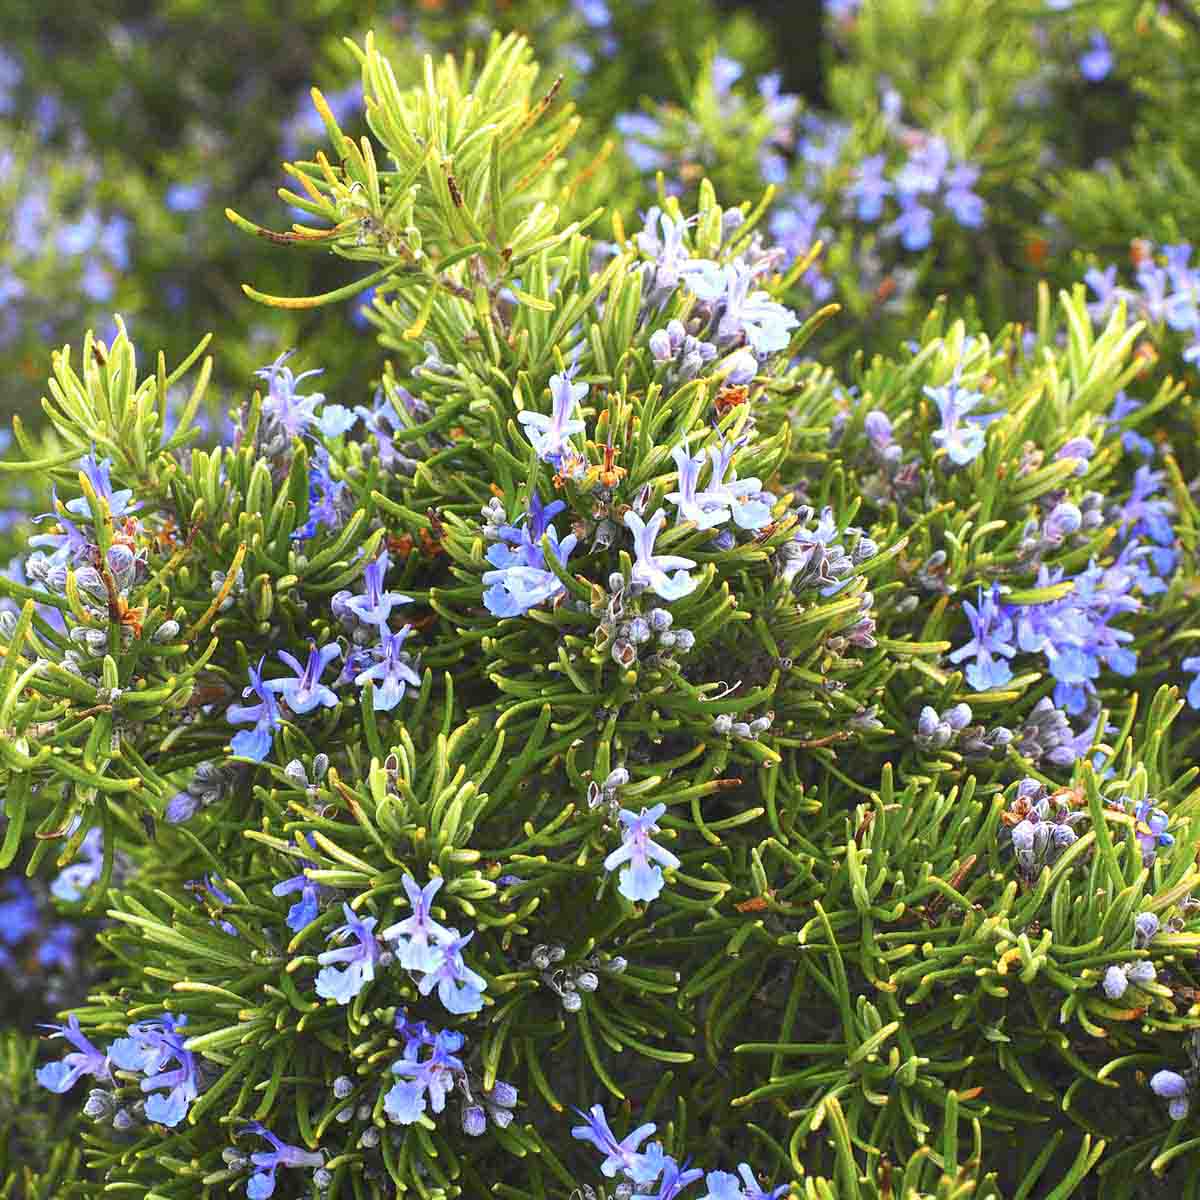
(650, 569)
(324, 493)
(723, 1186)
(432, 1078)
(458, 987)
(255, 743)
(637, 131)
(704, 510)
(61, 1076)
(1150, 828)
(97, 472)
(360, 959)
(1192, 665)
(306, 691)
(261, 1184)
(726, 489)
(548, 434)
(965, 205)
(58, 948)
(392, 674)
(1096, 63)
(749, 316)
(1104, 284)
(621, 1156)
(923, 171)
(66, 541)
(297, 414)
(993, 636)
(914, 225)
(380, 420)
(641, 879)
(869, 188)
(522, 580)
(963, 441)
(304, 911)
(675, 1178)
(421, 937)
(1134, 443)
(72, 882)
(374, 606)
(150, 1046)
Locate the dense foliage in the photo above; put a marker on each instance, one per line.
(700, 703)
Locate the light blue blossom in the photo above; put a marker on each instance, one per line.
(324, 494)
(624, 1155)
(66, 541)
(261, 1184)
(869, 188)
(675, 1177)
(962, 439)
(1192, 666)
(548, 434)
(421, 937)
(1173, 1087)
(651, 570)
(991, 643)
(151, 1046)
(430, 1079)
(345, 983)
(522, 579)
(374, 606)
(98, 475)
(73, 881)
(392, 674)
(964, 205)
(1096, 62)
(725, 488)
(305, 910)
(641, 878)
(749, 315)
(914, 225)
(306, 691)
(85, 1059)
(255, 743)
(458, 987)
(295, 414)
(702, 509)
(724, 1186)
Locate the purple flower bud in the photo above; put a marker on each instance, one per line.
(660, 346)
(878, 429)
(927, 722)
(743, 367)
(1145, 926)
(1141, 972)
(1064, 519)
(1023, 836)
(181, 808)
(957, 717)
(1115, 982)
(474, 1121)
(1168, 1084)
(677, 334)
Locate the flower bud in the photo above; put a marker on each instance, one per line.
(660, 346)
(685, 639)
(572, 1001)
(660, 620)
(587, 981)
(168, 631)
(343, 1085)
(474, 1121)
